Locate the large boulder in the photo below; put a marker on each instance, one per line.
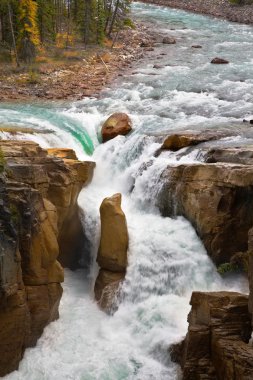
(216, 346)
(112, 253)
(117, 124)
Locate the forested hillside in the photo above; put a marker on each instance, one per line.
(27, 26)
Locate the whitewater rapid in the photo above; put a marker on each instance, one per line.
(167, 261)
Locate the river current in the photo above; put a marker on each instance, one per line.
(167, 261)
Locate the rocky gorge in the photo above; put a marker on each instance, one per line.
(166, 219)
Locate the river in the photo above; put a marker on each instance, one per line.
(167, 261)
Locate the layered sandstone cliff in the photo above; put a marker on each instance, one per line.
(216, 195)
(216, 346)
(39, 213)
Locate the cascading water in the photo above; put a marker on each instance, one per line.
(166, 259)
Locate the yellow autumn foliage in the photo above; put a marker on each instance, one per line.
(63, 39)
(28, 21)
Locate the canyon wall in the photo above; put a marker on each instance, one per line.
(216, 196)
(39, 213)
(216, 346)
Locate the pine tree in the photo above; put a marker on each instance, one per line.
(100, 21)
(46, 20)
(28, 30)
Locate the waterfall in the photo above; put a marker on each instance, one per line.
(167, 261)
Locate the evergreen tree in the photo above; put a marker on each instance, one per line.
(28, 30)
(29, 23)
(100, 21)
(46, 20)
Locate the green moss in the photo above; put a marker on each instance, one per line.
(239, 262)
(228, 268)
(2, 161)
(14, 213)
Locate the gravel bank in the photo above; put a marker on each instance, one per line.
(218, 8)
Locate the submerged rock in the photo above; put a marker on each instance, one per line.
(169, 41)
(216, 346)
(219, 61)
(38, 196)
(112, 253)
(117, 124)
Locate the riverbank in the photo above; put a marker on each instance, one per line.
(218, 8)
(78, 73)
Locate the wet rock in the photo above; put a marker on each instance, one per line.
(219, 61)
(185, 139)
(157, 66)
(117, 124)
(196, 46)
(107, 288)
(216, 344)
(112, 253)
(238, 155)
(169, 41)
(217, 199)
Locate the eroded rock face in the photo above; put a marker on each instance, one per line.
(112, 253)
(217, 199)
(216, 346)
(117, 124)
(238, 155)
(106, 289)
(31, 224)
(250, 272)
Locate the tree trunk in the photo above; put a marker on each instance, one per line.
(12, 35)
(114, 17)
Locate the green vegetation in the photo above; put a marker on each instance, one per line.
(15, 217)
(29, 28)
(241, 2)
(2, 161)
(228, 268)
(238, 263)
